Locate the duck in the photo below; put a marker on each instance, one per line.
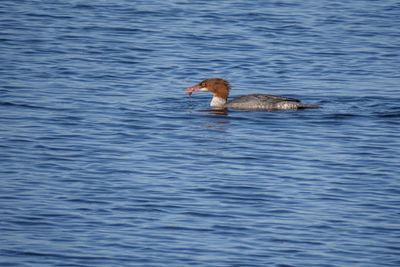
(220, 88)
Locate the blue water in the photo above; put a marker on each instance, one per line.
(104, 161)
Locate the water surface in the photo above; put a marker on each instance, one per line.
(106, 162)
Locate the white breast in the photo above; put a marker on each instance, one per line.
(217, 102)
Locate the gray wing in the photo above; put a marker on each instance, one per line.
(265, 98)
(275, 98)
(262, 101)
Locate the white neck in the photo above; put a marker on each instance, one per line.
(217, 102)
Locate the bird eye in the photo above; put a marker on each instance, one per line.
(203, 84)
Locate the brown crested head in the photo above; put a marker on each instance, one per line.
(219, 87)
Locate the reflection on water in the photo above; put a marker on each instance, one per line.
(223, 112)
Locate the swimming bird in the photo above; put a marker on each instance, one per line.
(220, 89)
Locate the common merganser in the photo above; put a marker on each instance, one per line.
(220, 89)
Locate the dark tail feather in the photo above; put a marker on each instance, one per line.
(302, 106)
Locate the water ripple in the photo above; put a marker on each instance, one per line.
(106, 162)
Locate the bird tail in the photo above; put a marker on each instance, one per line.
(303, 106)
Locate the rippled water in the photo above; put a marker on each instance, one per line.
(106, 162)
